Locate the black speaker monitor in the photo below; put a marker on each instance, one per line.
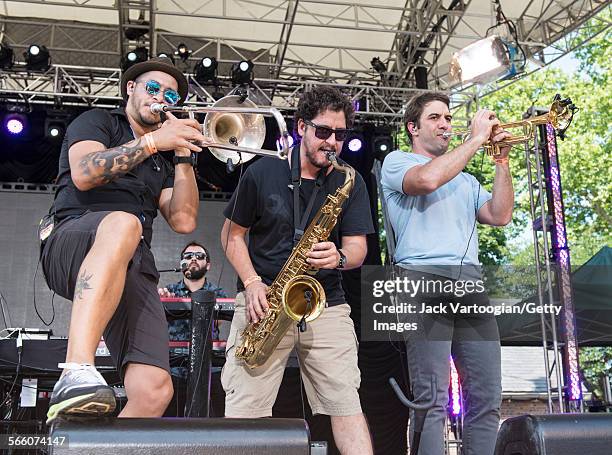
(177, 436)
(556, 434)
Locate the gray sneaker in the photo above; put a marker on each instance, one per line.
(80, 392)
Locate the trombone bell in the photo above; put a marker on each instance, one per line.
(235, 128)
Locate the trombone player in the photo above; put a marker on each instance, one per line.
(433, 207)
(111, 184)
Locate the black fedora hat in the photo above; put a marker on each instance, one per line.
(163, 64)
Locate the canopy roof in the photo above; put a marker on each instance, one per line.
(293, 43)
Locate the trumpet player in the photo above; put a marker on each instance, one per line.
(111, 184)
(433, 207)
(263, 207)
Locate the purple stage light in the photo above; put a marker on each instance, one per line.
(289, 140)
(562, 257)
(455, 396)
(14, 125)
(355, 144)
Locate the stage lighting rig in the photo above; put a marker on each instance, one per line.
(166, 55)
(140, 54)
(138, 28)
(7, 57)
(242, 72)
(206, 71)
(37, 58)
(15, 123)
(378, 65)
(499, 56)
(183, 52)
(56, 123)
(383, 145)
(355, 144)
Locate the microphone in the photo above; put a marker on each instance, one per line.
(183, 266)
(157, 108)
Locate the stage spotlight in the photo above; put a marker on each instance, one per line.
(355, 144)
(483, 61)
(183, 52)
(242, 72)
(137, 28)
(55, 129)
(383, 145)
(378, 65)
(140, 54)
(37, 58)
(289, 139)
(7, 57)
(206, 70)
(15, 124)
(166, 55)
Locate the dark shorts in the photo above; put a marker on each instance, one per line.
(138, 331)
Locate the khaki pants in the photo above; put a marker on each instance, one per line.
(327, 354)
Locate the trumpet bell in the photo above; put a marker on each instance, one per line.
(560, 115)
(234, 128)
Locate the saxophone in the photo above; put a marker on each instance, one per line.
(295, 295)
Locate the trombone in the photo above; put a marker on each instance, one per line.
(236, 128)
(559, 116)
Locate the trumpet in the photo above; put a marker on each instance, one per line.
(559, 116)
(236, 128)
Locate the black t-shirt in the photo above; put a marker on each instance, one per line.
(264, 203)
(136, 192)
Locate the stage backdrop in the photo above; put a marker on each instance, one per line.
(19, 252)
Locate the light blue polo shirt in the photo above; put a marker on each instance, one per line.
(434, 229)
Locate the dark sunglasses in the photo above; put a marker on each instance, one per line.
(199, 256)
(171, 96)
(324, 132)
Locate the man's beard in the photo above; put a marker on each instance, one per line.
(313, 155)
(149, 119)
(195, 274)
(146, 118)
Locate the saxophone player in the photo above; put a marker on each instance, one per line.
(273, 204)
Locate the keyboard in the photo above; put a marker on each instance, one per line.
(224, 308)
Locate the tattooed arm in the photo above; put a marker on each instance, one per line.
(92, 165)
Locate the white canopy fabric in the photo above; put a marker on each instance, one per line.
(297, 40)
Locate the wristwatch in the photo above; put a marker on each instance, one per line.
(342, 260)
(191, 159)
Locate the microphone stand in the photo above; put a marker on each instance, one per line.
(420, 410)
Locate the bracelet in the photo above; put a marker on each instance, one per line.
(251, 280)
(505, 160)
(150, 143)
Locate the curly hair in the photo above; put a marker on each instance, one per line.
(415, 107)
(320, 99)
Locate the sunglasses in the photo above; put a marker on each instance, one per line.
(198, 255)
(171, 96)
(324, 132)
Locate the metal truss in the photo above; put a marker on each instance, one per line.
(71, 85)
(293, 43)
(51, 188)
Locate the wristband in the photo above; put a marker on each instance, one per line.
(251, 280)
(150, 143)
(505, 160)
(191, 160)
